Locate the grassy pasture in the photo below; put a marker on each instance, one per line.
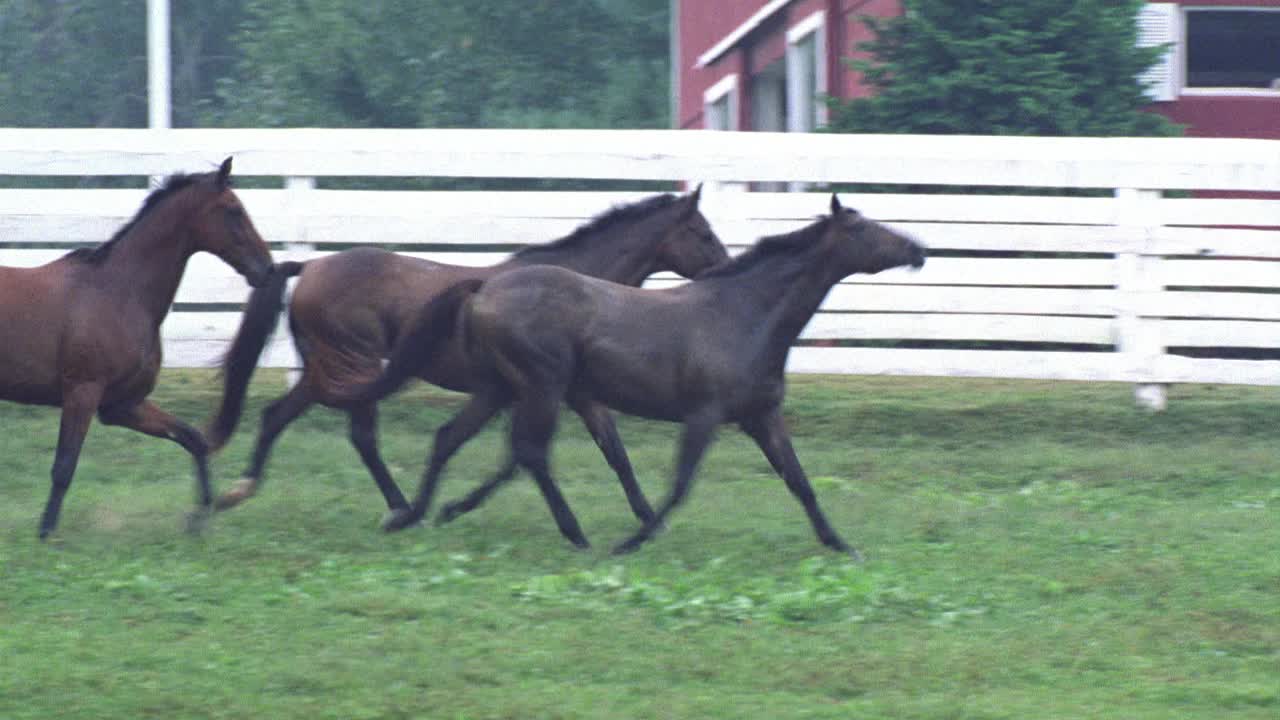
(1035, 550)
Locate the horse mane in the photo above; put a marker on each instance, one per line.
(769, 247)
(605, 220)
(172, 184)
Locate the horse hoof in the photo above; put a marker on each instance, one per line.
(840, 547)
(226, 501)
(197, 521)
(448, 514)
(626, 548)
(241, 490)
(398, 520)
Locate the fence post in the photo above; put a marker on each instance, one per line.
(295, 245)
(1138, 277)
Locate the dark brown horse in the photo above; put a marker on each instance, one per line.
(349, 308)
(705, 353)
(83, 332)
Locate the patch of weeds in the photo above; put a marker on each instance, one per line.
(818, 590)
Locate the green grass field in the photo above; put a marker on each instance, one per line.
(1035, 550)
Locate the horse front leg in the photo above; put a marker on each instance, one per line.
(770, 433)
(699, 431)
(78, 405)
(147, 418)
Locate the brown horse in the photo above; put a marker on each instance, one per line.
(83, 332)
(349, 308)
(705, 353)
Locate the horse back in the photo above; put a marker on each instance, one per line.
(349, 308)
(634, 350)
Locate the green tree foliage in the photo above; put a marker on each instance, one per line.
(72, 63)
(393, 63)
(1033, 67)
(445, 63)
(83, 63)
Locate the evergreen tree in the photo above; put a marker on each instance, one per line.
(992, 67)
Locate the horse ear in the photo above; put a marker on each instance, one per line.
(692, 199)
(224, 173)
(835, 204)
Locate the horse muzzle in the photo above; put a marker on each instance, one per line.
(918, 255)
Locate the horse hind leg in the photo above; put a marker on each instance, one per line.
(699, 431)
(533, 423)
(275, 418)
(451, 511)
(78, 404)
(451, 436)
(147, 418)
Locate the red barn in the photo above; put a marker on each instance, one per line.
(763, 64)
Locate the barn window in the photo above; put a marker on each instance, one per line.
(806, 73)
(1233, 48)
(720, 105)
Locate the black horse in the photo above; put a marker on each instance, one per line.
(705, 353)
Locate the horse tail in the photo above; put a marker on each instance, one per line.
(256, 326)
(426, 337)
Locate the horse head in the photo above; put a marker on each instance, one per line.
(689, 246)
(866, 246)
(223, 227)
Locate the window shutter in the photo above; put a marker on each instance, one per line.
(1158, 24)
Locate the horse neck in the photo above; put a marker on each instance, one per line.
(777, 297)
(624, 253)
(147, 263)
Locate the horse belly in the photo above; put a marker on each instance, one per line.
(28, 353)
(22, 388)
(631, 382)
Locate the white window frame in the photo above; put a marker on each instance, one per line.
(814, 26)
(724, 88)
(1181, 59)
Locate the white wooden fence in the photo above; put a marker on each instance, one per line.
(1143, 272)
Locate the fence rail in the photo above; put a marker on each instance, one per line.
(1091, 288)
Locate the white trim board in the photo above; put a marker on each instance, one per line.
(735, 36)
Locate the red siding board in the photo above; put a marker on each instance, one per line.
(1225, 116)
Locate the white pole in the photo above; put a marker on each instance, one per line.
(158, 107)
